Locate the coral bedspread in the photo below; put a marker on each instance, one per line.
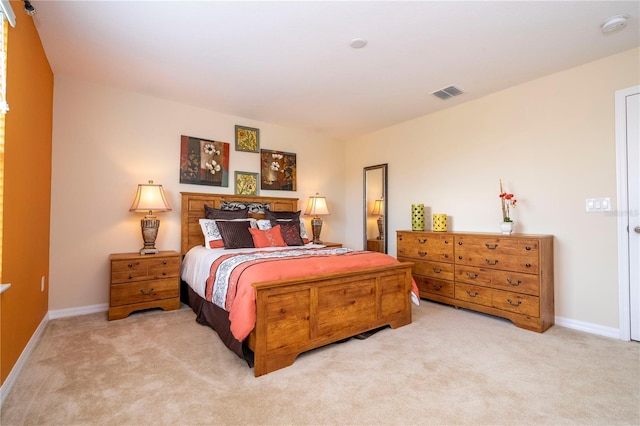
(231, 275)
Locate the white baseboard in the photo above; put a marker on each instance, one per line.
(600, 330)
(82, 310)
(22, 360)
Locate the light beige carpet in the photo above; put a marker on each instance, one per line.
(449, 367)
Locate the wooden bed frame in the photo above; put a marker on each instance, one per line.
(297, 315)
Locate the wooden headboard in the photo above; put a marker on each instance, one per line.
(193, 210)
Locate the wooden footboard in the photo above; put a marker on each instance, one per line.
(294, 316)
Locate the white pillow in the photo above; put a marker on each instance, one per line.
(264, 224)
(212, 237)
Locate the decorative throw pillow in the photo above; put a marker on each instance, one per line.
(251, 207)
(212, 237)
(211, 213)
(274, 216)
(266, 224)
(291, 232)
(211, 233)
(235, 233)
(271, 237)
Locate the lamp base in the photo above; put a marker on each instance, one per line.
(149, 225)
(316, 227)
(144, 251)
(381, 228)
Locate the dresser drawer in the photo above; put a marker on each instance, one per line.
(498, 253)
(438, 270)
(473, 275)
(516, 282)
(426, 246)
(473, 294)
(138, 292)
(516, 302)
(502, 280)
(434, 286)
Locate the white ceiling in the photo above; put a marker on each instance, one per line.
(290, 63)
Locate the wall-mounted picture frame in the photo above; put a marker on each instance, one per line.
(204, 162)
(278, 170)
(246, 183)
(247, 139)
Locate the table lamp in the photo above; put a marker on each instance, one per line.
(378, 209)
(149, 198)
(316, 207)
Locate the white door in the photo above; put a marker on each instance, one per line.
(628, 147)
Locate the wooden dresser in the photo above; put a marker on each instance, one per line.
(510, 276)
(143, 282)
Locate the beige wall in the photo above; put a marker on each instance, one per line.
(107, 141)
(551, 141)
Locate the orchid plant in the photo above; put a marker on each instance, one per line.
(508, 201)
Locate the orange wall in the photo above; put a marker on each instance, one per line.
(27, 189)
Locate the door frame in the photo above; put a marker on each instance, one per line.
(624, 281)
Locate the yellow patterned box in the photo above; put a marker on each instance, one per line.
(417, 217)
(439, 222)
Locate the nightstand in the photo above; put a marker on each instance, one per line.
(328, 244)
(143, 282)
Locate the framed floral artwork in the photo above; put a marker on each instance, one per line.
(204, 162)
(278, 170)
(246, 183)
(247, 139)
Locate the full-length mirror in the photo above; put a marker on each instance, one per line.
(375, 208)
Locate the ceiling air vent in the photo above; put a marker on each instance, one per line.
(447, 92)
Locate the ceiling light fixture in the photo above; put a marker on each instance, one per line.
(614, 23)
(358, 43)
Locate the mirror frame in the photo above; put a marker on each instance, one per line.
(384, 169)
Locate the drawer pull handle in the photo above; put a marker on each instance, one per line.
(130, 265)
(422, 253)
(515, 284)
(514, 304)
(130, 276)
(164, 273)
(437, 270)
(472, 277)
(460, 257)
(475, 293)
(491, 246)
(399, 237)
(422, 240)
(446, 256)
(459, 243)
(146, 293)
(527, 248)
(164, 262)
(436, 287)
(528, 265)
(489, 262)
(446, 241)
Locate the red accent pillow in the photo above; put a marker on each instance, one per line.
(291, 233)
(271, 237)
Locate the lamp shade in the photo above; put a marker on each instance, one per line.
(150, 197)
(378, 208)
(317, 206)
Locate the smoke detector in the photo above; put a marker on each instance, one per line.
(614, 23)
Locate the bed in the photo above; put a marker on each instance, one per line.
(295, 315)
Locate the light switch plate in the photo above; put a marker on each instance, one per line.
(598, 205)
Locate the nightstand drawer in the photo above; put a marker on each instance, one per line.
(144, 291)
